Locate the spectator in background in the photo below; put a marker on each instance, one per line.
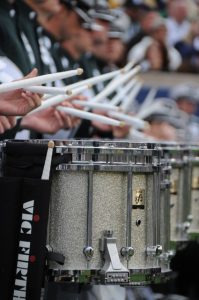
(189, 49)
(187, 100)
(140, 17)
(155, 50)
(177, 22)
(115, 47)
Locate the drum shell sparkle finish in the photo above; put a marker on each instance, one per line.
(114, 176)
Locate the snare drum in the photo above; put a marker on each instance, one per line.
(179, 192)
(105, 213)
(194, 228)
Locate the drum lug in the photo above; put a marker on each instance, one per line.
(154, 250)
(88, 252)
(127, 252)
(186, 225)
(113, 271)
(190, 218)
(167, 256)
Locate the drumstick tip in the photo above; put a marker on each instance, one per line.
(122, 124)
(69, 92)
(51, 144)
(80, 71)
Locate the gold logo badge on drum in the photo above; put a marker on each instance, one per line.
(138, 198)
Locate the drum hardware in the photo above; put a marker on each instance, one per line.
(127, 252)
(129, 212)
(165, 184)
(138, 222)
(167, 256)
(190, 218)
(113, 270)
(154, 251)
(54, 256)
(88, 252)
(183, 227)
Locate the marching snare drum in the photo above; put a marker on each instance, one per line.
(105, 213)
(194, 227)
(179, 192)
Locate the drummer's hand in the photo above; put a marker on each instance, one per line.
(74, 121)
(120, 132)
(100, 126)
(48, 120)
(19, 102)
(6, 123)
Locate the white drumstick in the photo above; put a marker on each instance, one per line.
(5, 87)
(128, 100)
(94, 105)
(130, 120)
(90, 116)
(123, 92)
(58, 99)
(129, 66)
(113, 85)
(48, 161)
(49, 90)
(96, 79)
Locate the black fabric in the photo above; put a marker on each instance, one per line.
(24, 207)
(10, 134)
(186, 264)
(26, 159)
(35, 205)
(10, 206)
(11, 43)
(26, 23)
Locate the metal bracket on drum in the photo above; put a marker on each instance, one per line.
(167, 256)
(184, 227)
(154, 250)
(113, 271)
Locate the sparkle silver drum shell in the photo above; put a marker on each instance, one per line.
(104, 214)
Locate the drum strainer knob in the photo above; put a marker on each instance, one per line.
(88, 252)
(127, 252)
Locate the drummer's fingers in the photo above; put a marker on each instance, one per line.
(4, 124)
(72, 98)
(12, 120)
(66, 119)
(59, 119)
(33, 73)
(33, 98)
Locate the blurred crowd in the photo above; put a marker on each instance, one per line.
(98, 36)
